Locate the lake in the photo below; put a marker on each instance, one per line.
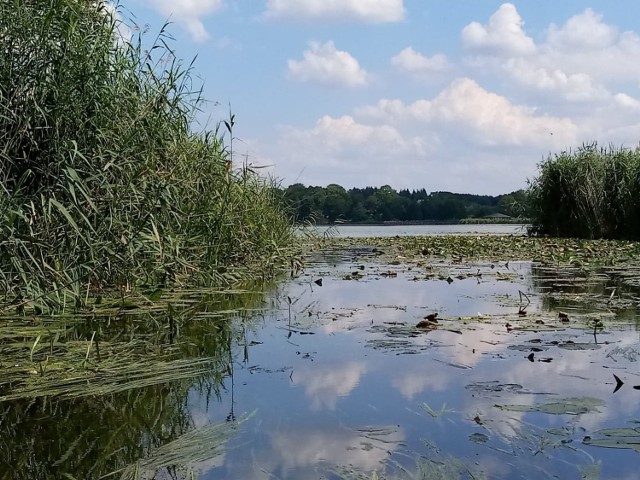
(360, 231)
(325, 375)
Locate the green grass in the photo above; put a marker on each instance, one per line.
(589, 193)
(103, 183)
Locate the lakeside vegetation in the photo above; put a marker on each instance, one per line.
(385, 204)
(591, 192)
(103, 183)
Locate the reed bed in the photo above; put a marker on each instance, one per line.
(592, 192)
(103, 183)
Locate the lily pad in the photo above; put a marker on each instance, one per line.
(479, 437)
(632, 443)
(565, 406)
(619, 432)
(590, 472)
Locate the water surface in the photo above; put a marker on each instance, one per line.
(360, 231)
(335, 381)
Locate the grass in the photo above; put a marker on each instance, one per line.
(592, 192)
(103, 183)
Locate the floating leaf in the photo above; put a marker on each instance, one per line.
(568, 406)
(478, 438)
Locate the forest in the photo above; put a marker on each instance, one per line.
(334, 203)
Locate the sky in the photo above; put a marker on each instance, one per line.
(462, 96)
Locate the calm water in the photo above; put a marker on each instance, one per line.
(360, 231)
(338, 382)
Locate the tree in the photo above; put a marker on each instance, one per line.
(336, 203)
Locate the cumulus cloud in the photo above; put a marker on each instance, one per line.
(340, 135)
(574, 62)
(578, 86)
(368, 11)
(325, 65)
(586, 44)
(462, 138)
(410, 61)
(627, 101)
(503, 34)
(583, 31)
(188, 14)
(493, 119)
(465, 135)
(489, 118)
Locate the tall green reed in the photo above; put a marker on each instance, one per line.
(592, 192)
(103, 182)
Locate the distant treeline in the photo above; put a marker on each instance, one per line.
(384, 204)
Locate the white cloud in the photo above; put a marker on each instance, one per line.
(368, 11)
(585, 44)
(188, 13)
(489, 118)
(578, 83)
(410, 61)
(502, 36)
(340, 135)
(626, 101)
(585, 31)
(578, 86)
(325, 65)
(574, 62)
(496, 121)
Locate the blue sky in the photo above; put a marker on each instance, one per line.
(464, 96)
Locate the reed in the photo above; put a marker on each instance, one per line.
(592, 192)
(103, 182)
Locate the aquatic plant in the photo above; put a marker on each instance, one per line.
(112, 389)
(591, 192)
(103, 183)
